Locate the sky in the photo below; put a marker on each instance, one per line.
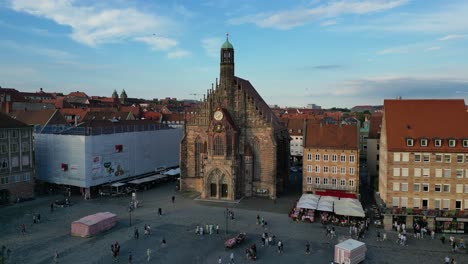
(330, 53)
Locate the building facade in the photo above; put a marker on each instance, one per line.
(234, 145)
(16, 160)
(424, 155)
(295, 128)
(373, 146)
(102, 152)
(331, 160)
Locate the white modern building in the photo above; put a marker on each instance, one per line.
(105, 151)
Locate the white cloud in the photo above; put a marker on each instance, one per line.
(395, 50)
(178, 54)
(46, 52)
(212, 46)
(451, 37)
(433, 48)
(300, 16)
(158, 43)
(93, 25)
(328, 23)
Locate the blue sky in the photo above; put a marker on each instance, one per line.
(331, 53)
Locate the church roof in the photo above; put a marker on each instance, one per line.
(227, 45)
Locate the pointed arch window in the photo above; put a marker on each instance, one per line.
(256, 159)
(198, 151)
(218, 145)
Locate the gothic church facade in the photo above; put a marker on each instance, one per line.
(234, 146)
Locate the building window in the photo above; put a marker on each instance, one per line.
(342, 182)
(458, 204)
(460, 158)
(3, 148)
(309, 180)
(423, 142)
(334, 170)
(351, 183)
(343, 170)
(417, 172)
(396, 186)
(14, 147)
(417, 157)
(437, 188)
(377, 158)
(447, 158)
(25, 134)
(416, 202)
(24, 146)
(438, 173)
(426, 157)
(404, 172)
(17, 177)
(325, 181)
(404, 202)
(460, 173)
(351, 158)
(438, 142)
(447, 173)
(317, 157)
(317, 169)
(334, 182)
(4, 164)
(14, 134)
(404, 187)
(396, 201)
(452, 143)
(416, 187)
(405, 157)
(351, 171)
(466, 188)
(2, 134)
(325, 169)
(396, 157)
(425, 187)
(309, 168)
(426, 172)
(343, 158)
(325, 157)
(459, 188)
(317, 180)
(437, 203)
(465, 145)
(446, 187)
(4, 180)
(309, 156)
(438, 157)
(409, 142)
(446, 204)
(334, 158)
(218, 147)
(396, 172)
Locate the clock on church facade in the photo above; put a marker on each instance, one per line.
(233, 146)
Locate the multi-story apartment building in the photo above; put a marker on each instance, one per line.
(373, 145)
(295, 128)
(16, 160)
(331, 160)
(424, 156)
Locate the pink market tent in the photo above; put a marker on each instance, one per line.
(93, 224)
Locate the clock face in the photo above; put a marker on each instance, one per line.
(218, 115)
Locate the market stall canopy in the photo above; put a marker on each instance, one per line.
(308, 201)
(349, 207)
(326, 203)
(118, 184)
(172, 172)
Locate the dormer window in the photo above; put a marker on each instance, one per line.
(438, 142)
(409, 142)
(424, 142)
(465, 143)
(300, 131)
(452, 143)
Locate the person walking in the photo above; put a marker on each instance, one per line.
(220, 260)
(51, 207)
(231, 258)
(307, 248)
(258, 219)
(56, 256)
(23, 229)
(163, 242)
(173, 198)
(130, 257)
(160, 211)
(148, 254)
(280, 246)
(136, 235)
(432, 234)
(217, 229)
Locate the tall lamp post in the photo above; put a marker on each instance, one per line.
(130, 214)
(226, 214)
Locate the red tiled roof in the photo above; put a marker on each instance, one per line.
(151, 115)
(77, 94)
(38, 117)
(330, 136)
(136, 111)
(375, 125)
(294, 125)
(173, 117)
(429, 119)
(81, 112)
(8, 122)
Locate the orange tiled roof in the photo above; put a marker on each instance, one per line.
(295, 126)
(444, 119)
(77, 94)
(375, 124)
(151, 115)
(327, 136)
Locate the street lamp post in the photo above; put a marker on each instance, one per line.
(227, 218)
(130, 215)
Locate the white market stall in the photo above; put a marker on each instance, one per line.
(350, 252)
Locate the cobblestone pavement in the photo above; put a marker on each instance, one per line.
(177, 226)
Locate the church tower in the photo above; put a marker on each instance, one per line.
(226, 75)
